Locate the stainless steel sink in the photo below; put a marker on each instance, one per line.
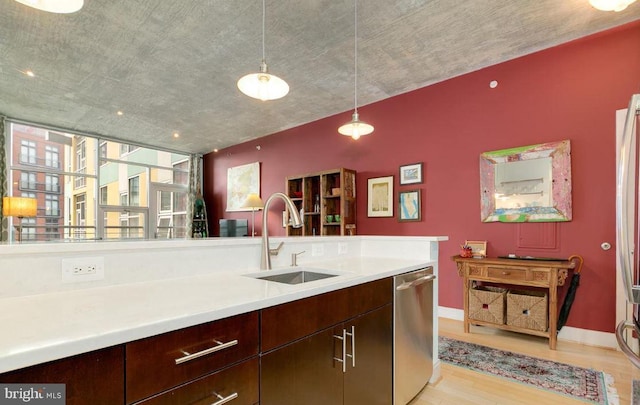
(296, 277)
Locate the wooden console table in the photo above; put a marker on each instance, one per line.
(528, 273)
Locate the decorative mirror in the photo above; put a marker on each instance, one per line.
(526, 184)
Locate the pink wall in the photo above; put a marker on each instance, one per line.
(568, 92)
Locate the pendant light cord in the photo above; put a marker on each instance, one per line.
(355, 51)
(264, 11)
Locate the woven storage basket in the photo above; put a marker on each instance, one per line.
(527, 309)
(487, 304)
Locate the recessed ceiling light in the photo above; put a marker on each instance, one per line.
(119, 112)
(29, 73)
(176, 135)
(54, 6)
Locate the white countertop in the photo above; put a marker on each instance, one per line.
(44, 327)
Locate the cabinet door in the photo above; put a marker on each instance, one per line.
(92, 378)
(370, 381)
(303, 372)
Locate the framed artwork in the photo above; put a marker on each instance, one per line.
(242, 181)
(478, 248)
(411, 174)
(409, 206)
(380, 197)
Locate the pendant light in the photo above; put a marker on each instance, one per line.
(54, 6)
(355, 128)
(262, 85)
(610, 5)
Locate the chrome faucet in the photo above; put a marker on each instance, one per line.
(296, 222)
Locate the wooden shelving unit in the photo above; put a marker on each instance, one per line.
(321, 196)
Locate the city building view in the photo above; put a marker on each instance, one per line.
(95, 189)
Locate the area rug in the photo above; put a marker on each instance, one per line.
(581, 383)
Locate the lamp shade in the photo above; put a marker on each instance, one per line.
(355, 128)
(262, 85)
(54, 6)
(19, 207)
(610, 5)
(253, 201)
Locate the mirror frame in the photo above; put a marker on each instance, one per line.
(561, 209)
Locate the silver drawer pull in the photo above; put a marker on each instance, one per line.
(506, 273)
(224, 400)
(221, 346)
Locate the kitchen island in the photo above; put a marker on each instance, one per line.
(53, 325)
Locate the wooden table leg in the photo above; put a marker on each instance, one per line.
(553, 310)
(466, 304)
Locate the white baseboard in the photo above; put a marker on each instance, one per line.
(567, 333)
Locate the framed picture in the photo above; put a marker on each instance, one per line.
(242, 181)
(380, 197)
(409, 206)
(411, 174)
(478, 248)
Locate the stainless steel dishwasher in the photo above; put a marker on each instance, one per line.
(412, 333)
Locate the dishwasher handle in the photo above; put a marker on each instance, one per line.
(418, 281)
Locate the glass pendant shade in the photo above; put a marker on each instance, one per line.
(263, 86)
(610, 5)
(355, 128)
(54, 6)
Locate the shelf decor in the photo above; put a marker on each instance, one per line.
(411, 174)
(242, 181)
(380, 197)
(409, 206)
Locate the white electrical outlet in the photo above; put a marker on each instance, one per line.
(343, 248)
(81, 269)
(317, 249)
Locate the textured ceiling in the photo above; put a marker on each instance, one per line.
(172, 65)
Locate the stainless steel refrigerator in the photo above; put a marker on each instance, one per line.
(627, 230)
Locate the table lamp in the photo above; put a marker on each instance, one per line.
(19, 207)
(254, 202)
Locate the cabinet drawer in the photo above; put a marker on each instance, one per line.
(287, 322)
(507, 273)
(238, 383)
(151, 365)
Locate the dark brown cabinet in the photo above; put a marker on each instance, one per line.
(349, 351)
(165, 361)
(91, 378)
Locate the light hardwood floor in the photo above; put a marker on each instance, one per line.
(459, 386)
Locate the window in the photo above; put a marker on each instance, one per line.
(28, 228)
(51, 183)
(51, 156)
(134, 191)
(103, 152)
(81, 209)
(72, 176)
(51, 205)
(126, 148)
(81, 162)
(104, 198)
(28, 152)
(28, 181)
(165, 201)
(52, 230)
